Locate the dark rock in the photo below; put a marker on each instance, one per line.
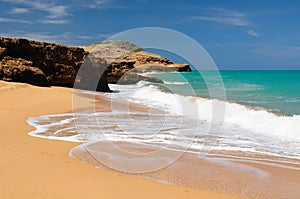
(2, 53)
(21, 70)
(59, 63)
(133, 78)
(43, 64)
(146, 68)
(92, 75)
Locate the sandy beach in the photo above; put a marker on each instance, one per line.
(109, 99)
(41, 168)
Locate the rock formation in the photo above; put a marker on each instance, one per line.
(57, 63)
(88, 67)
(21, 70)
(45, 64)
(123, 56)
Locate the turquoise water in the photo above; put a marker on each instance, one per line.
(276, 91)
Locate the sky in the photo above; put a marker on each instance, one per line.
(238, 34)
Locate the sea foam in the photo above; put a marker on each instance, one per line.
(250, 118)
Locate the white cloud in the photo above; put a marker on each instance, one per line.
(59, 9)
(97, 3)
(53, 11)
(11, 20)
(19, 11)
(225, 16)
(228, 17)
(253, 33)
(54, 21)
(84, 37)
(102, 4)
(100, 36)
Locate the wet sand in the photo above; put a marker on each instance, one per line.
(41, 168)
(245, 177)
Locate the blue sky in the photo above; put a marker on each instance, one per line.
(238, 34)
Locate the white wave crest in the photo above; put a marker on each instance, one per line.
(175, 83)
(254, 120)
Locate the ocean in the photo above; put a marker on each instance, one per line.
(261, 103)
(275, 91)
(258, 118)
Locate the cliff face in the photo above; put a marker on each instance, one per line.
(46, 64)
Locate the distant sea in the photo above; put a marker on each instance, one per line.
(275, 91)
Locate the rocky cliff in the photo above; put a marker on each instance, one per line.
(46, 64)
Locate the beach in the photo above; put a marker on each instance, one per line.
(170, 100)
(41, 168)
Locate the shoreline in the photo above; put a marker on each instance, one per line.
(246, 175)
(41, 168)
